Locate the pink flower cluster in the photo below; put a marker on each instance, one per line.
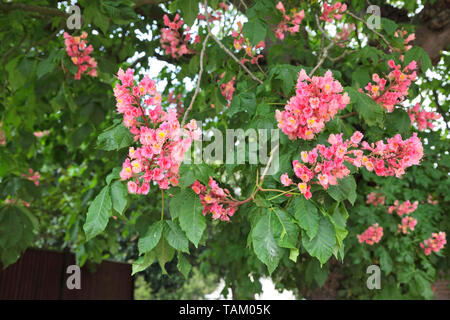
(372, 235)
(252, 54)
(290, 23)
(215, 200)
(403, 34)
(173, 41)
(40, 134)
(422, 118)
(327, 164)
(317, 100)
(177, 101)
(342, 36)
(394, 157)
(17, 202)
(406, 207)
(397, 88)
(2, 136)
(163, 141)
(407, 223)
(431, 201)
(435, 243)
(32, 176)
(227, 88)
(79, 52)
(215, 15)
(332, 11)
(375, 199)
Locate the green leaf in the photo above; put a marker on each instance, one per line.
(44, 67)
(151, 237)
(398, 121)
(115, 138)
(164, 252)
(255, 31)
(264, 243)
(293, 254)
(143, 262)
(176, 237)
(285, 231)
(321, 246)
(119, 195)
(306, 215)
(248, 102)
(288, 75)
(345, 189)
(17, 230)
(189, 10)
(389, 26)
(417, 53)
(183, 265)
(339, 220)
(371, 112)
(98, 214)
(187, 176)
(94, 15)
(385, 261)
(423, 286)
(188, 209)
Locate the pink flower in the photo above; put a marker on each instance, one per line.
(163, 141)
(252, 54)
(435, 243)
(316, 102)
(398, 81)
(403, 208)
(356, 137)
(174, 41)
(326, 165)
(422, 118)
(132, 187)
(375, 199)
(290, 23)
(78, 50)
(285, 180)
(372, 235)
(32, 176)
(407, 223)
(215, 200)
(332, 11)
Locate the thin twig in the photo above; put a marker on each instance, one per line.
(373, 30)
(346, 52)
(268, 164)
(230, 53)
(322, 58)
(199, 78)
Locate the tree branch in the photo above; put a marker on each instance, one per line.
(199, 78)
(7, 7)
(373, 30)
(230, 53)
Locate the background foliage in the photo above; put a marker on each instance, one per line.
(80, 158)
